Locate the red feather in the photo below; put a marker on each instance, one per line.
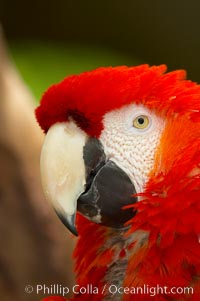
(170, 206)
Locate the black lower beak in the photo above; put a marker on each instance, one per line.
(82, 178)
(108, 189)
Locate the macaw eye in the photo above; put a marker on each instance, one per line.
(141, 122)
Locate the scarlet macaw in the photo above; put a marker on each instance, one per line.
(123, 149)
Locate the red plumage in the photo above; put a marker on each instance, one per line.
(89, 96)
(170, 209)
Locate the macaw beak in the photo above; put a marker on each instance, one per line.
(63, 170)
(76, 175)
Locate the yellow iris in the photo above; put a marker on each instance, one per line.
(141, 122)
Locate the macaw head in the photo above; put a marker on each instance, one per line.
(122, 145)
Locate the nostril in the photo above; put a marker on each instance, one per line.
(80, 119)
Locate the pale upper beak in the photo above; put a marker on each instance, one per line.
(63, 169)
(74, 168)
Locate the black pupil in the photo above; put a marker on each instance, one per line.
(141, 120)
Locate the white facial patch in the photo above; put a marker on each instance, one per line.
(130, 139)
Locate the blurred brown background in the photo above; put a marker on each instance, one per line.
(154, 31)
(47, 40)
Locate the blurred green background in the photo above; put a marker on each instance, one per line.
(51, 39)
(43, 63)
